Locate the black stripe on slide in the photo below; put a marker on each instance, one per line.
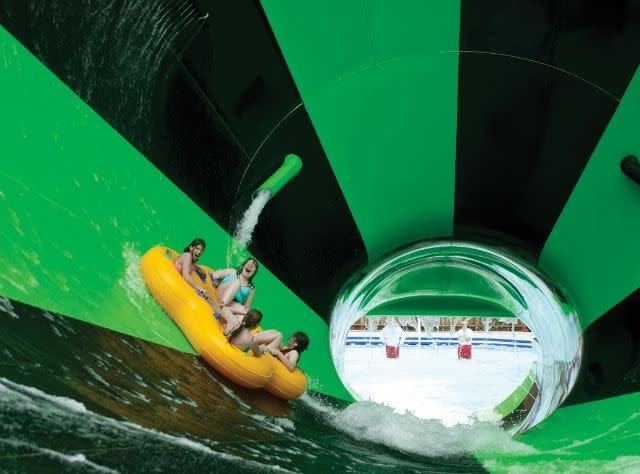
(630, 166)
(538, 84)
(611, 356)
(202, 90)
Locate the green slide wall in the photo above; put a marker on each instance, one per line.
(380, 85)
(68, 179)
(373, 60)
(592, 248)
(82, 205)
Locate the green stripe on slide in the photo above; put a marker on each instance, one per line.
(79, 205)
(381, 91)
(592, 437)
(593, 248)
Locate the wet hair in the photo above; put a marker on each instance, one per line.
(194, 243)
(239, 269)
(251, 319)
(303, 341)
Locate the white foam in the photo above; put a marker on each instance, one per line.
(97, 376)
(138, 395)
(285, 423)
(231, 394)
(276, 425)
(73, 459)
(59, 322)
(132, 282)
(67, 403)
(369, 421)
(7, 307)
(179, 401)
(25, 398)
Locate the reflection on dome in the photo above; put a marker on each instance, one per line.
(457, 331)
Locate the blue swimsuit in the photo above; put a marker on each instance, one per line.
(244, 291)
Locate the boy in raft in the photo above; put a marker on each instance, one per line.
(260, 342)
(289, 355)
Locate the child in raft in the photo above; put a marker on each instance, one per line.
(235, 289)
(289, 355)
(258, 342)
(186, 264)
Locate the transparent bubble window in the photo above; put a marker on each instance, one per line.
(457, 331)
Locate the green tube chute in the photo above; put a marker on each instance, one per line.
(289, 169)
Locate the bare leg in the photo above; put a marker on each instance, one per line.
(233, 321)
(228, 289)
(270, 338)
(237, 308)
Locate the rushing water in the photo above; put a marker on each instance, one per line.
(80, 398)
(237, 248)
(77, 396)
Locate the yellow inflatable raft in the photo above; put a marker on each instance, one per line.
(194, 317)
(284, 383)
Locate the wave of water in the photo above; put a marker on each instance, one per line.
(131, 281)
(74, 396)
(74, 461)
(72, 392)
(30, 405)
(369, 421)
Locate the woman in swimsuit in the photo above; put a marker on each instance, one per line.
(236, 289)
(259, 342)
(289, 355)
(186, 264)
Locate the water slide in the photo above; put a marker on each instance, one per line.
(129, 124)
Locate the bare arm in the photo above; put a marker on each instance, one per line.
(186, 274)
(223, 272)
(289, 360)
(186, 265)
(247, 304)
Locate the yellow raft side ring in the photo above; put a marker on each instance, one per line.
(194, 316)
(284, 383)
